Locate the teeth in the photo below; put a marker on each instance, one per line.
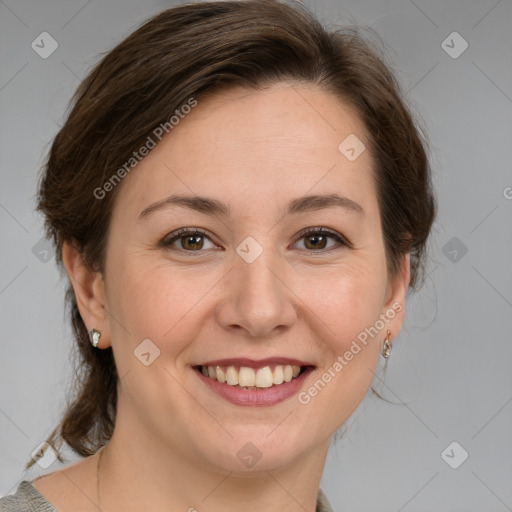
(221, 376)
(232, 376)
(278, 375)
(264, 378)
(248, 377)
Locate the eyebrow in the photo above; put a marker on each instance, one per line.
(212, 206)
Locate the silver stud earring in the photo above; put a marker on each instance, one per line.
(94, 336)
(386, 349)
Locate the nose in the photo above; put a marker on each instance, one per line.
(257, 298)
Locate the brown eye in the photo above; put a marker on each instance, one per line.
(315, 241)
(320, 239)
(189, 240)
(192, 242)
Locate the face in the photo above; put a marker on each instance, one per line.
(255, 275)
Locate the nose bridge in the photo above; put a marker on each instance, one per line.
(260, 300)
(257, 282)
(258, 278)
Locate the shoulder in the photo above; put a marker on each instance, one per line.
(26, 499)
(64, 490)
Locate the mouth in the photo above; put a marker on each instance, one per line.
(247, 382)
(246, 377)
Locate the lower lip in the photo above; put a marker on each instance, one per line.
(256, 397)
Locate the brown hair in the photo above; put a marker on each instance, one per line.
(186, 52)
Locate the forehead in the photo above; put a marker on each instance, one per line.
(243, 144)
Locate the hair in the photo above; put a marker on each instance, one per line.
(187, 52)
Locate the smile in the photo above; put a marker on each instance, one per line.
(250, 378)
(261, 384)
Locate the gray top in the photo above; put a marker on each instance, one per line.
(28, 499)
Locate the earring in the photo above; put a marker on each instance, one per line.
(386, 349)
(94, 336)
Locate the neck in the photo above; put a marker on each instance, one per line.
(137, 468)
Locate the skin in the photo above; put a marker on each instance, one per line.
(178, 441)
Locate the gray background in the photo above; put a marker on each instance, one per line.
(450, 370)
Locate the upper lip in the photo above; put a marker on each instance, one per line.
(252, 363)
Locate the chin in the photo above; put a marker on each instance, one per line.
(256, 449)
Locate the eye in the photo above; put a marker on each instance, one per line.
(195, 240)
(317, 239)
(187, 239)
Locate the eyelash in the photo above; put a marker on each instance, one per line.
(181, 233)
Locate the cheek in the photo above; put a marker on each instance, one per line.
(347, 298)
(157, 301)
(345, 307)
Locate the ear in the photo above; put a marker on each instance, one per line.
(89, 288)
(395, 297)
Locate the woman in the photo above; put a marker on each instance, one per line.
(241, 201)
